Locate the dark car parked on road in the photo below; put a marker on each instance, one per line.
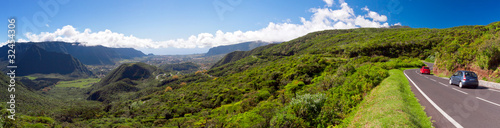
(464, 79)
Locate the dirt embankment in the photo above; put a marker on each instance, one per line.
(482, 73)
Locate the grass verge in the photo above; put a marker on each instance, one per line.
(391, 104)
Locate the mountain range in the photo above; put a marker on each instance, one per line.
(317, 80)
(88, 55)
(37, 60)
(245, 46)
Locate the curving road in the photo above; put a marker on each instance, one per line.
(451, 106)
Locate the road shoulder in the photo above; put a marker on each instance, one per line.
(390, 104)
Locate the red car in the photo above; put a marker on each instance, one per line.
(425, 70)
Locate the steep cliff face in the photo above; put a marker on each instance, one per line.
(36, 60)
(89, 55)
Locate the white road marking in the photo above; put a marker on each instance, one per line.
(443, 84)
(460, 91)
(433, 80)
(488, 101)
(455, 123)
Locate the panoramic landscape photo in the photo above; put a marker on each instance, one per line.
(249, 64)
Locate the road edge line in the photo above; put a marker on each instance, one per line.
(455, 123)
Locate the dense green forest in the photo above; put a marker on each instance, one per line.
(312, 81)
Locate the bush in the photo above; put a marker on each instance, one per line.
(293, 87)
(263, 94)
(246, 120)
(302, 111)
(285, 120)
(430, 58)
(351, 93)
(489, 55)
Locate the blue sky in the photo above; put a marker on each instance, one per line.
(186, 27)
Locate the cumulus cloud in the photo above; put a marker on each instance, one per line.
(365, 8)
(374, 15)
(342, 17)
(341, 1)
(329, 3)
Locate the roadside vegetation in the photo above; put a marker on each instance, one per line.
(318, 80)
(391, 104)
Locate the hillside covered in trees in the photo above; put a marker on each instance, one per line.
(316, 80)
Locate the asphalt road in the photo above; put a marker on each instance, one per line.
(451, 106)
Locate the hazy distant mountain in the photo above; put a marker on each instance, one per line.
(89, 55)
(246, 46)
(37, 60)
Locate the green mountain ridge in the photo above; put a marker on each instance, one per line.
(89, 55)
(122, 79)
(237, 55)
(36, 60)
(316, 80)
(245, 46)
(26, 99)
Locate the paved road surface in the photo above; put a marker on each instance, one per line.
(451, 106)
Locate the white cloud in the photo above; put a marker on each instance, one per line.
(287, 21)
(4, 43)
(365, 8)
(329, 3)
(374, 15)
(342, 17)
(341, 1)
(397, 24)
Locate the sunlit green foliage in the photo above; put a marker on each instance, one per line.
(313, 81)
(302, 111)
(80, 83)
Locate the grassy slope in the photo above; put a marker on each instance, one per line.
(31, 77)
(79, 83)
(342, 64)
(391, 104)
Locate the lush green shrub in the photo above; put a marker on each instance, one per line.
(304, 110)
(285, 120)
(430, 58)
(293, 87)
(489, 55)
(263, 94)
(246, 120)
(345, 97)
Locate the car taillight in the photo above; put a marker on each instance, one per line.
(464, 78)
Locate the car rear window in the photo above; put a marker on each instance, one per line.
(470, 74)
(426, 67)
